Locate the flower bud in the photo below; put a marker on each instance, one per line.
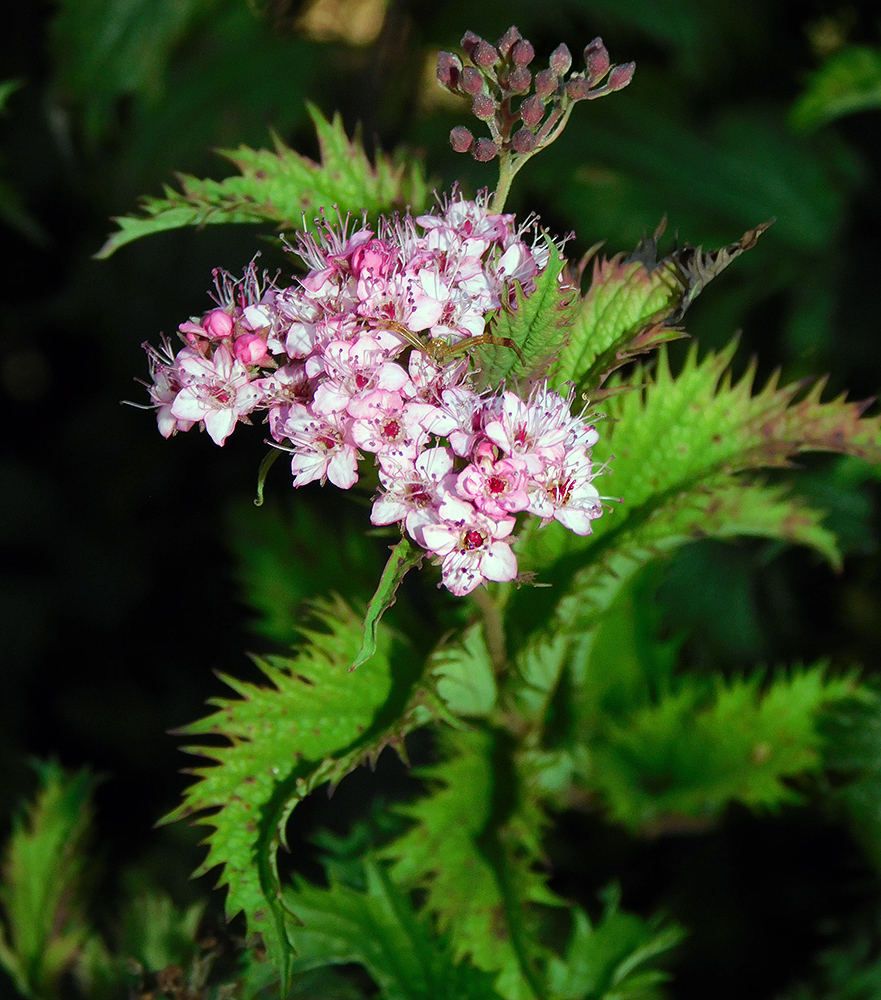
(461, 139)
(470, 41)
(483, 107)
(545, 83)
(485, 150)
(250, 348)
(523, 53)
(218, 323)
(531, 111)
(577, 88)
(621, 76)
(509, 39)
(484, 55)
(449, 69)
(523, 141)
(471, 80)
(561, 59)
(596, 59)
(519, 80)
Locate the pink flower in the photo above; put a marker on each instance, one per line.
(217, 391)
(517, 264)
(327, 358)
(564, 493)
(298, 320)
(257, 317)
(470, 547)
(495, 487)
(374, 259)
(467, 221)
(468, 415)
(216, 325)
(354, 369)
(414, 490)
(388, 426)
(163, 392)
(250, 349)
(537, 431)
(428, 298)
(322, 445)
(328, 255)
(429, 379)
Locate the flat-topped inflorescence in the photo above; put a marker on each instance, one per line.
(342, 362)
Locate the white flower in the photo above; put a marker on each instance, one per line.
(217, 391)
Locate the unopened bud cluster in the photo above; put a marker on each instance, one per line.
(524, 111)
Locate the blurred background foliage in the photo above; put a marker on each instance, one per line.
(126, 558)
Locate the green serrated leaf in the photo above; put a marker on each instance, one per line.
(466, 680)
(689, 429)
(282, 188)
(564, 684)
(634, 304)
(848, 82)
(315, 724)
(696, 749)
(629, 664)
(537, 326)
(156, 933)
(378, 929)
(41, 891)
(623, 312)
(405, 555)
(537, 668)
(675, 446)
(608, 961)
(477, 820)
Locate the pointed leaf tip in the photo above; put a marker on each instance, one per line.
(403, 558)
(277, 186)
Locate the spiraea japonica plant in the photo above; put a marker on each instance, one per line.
(524, 443)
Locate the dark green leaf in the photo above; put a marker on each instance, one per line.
(848, 82)
(316, 723)
(466, 681)
(852, 753)
(42, 893)
(479, 820)
(634, 304)
(378, 929)
(686, 756)
(675, 447)
(289, 554)
(609, 959)
(537, 326)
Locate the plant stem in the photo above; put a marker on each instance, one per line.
(510, 163)
(507, 171)
(493, 628)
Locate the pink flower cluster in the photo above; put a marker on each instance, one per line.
(360, 356)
